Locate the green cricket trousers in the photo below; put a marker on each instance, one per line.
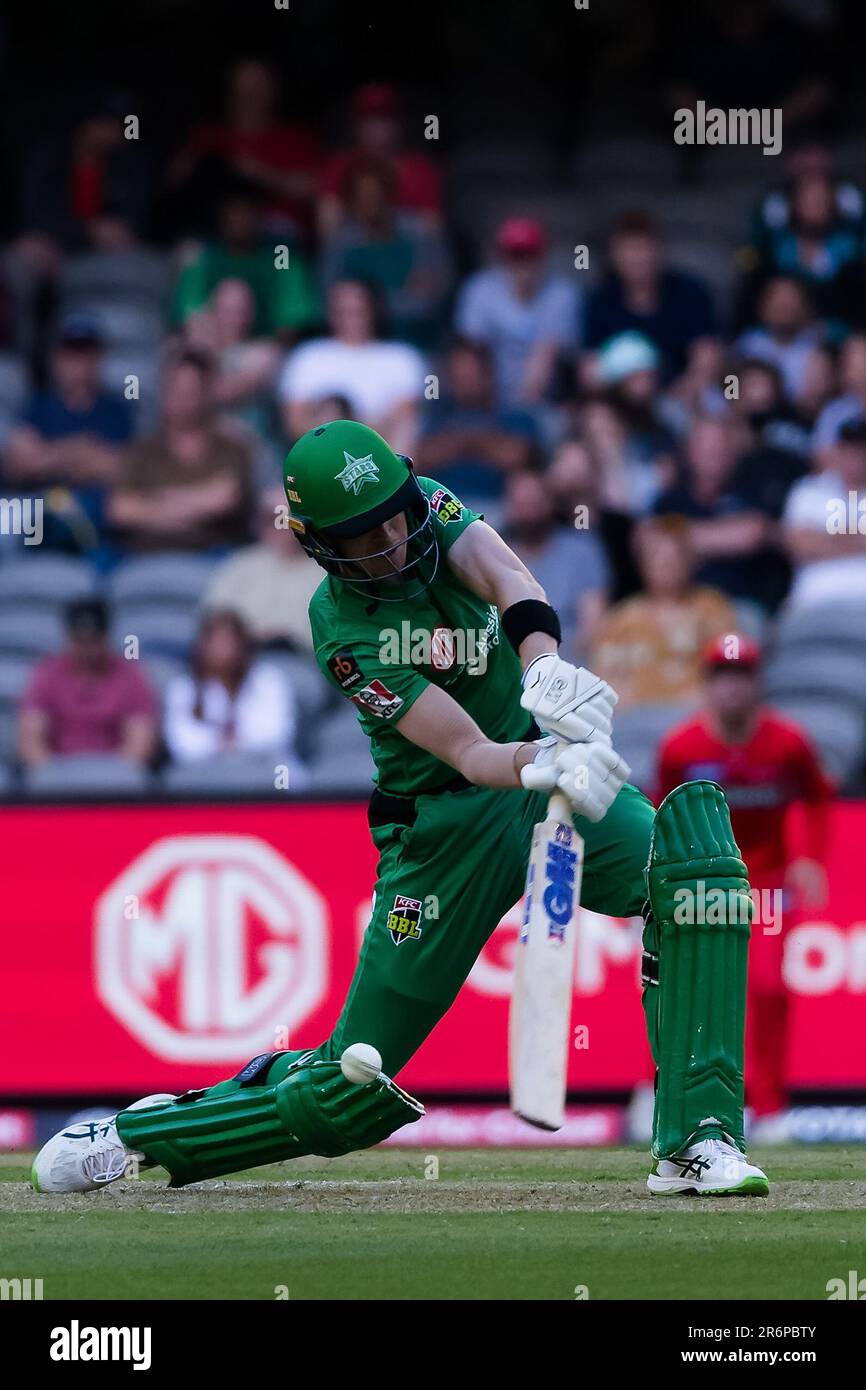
(451, 864)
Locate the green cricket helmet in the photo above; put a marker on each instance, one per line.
(343, 479)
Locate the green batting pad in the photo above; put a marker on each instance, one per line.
(311, 1109)
(699, 930)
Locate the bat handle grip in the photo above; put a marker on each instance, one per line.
(559, 807)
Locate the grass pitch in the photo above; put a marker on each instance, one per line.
(456, 1224)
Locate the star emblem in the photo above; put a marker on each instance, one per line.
(357, 472)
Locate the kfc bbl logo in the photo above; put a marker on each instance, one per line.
(404, 919)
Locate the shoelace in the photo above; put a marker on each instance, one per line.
(721, 1146)
(105, 1165)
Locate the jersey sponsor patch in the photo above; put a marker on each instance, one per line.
(446, 507)
(404, 920)
(378, 699)
(442, 647)
(345, 669)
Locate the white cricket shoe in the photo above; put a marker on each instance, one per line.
(710, 1168)
(86, 1156)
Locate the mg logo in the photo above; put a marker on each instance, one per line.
(206, 944)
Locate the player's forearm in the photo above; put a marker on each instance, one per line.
(488, 764)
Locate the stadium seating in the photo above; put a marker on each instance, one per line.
(161, 629)
(29, 633)
(87, 774)
(166, 577)
(826, 670)
(343, 770)
(844, 623)
(638, 732)
(37, 579)
(238, 773)
(837, 729)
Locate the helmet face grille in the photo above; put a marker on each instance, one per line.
(408, 580)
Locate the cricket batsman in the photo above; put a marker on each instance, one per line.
(469, 739)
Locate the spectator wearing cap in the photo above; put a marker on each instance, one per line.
(380, 244)
(767, 767)
(88, 698)
(824, 528)
(189, 485)
(67, 444)
(269, 584)
(733, 533)
(627, 372)
(569, 563)
(650, 646)
(642, 294)
(524, 313)
(286, 299)
(378, 136)
(382, 380)
(278, 159)
(468, 442)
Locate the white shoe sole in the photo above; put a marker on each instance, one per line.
(752, 1186)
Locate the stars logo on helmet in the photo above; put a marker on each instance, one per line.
(357, 472)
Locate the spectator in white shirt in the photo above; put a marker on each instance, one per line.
(786, 334)
(382, 381)
(527, 316)
(228, 704)
(824, 524)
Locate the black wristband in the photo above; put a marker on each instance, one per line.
(527, 616)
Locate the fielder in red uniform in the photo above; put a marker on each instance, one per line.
(766, 765)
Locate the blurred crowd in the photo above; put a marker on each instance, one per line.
(664, 462)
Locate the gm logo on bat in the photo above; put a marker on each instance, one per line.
(558, 896)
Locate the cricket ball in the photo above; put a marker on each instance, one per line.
(361, 1063)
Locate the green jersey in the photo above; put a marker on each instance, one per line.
(382, 655)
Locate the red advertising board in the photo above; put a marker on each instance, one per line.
(160, 947)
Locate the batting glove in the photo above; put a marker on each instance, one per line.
(568, 700)
(590, 775)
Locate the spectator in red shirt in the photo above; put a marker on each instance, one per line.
(417, 181)
(88, 698)
(279, 159)
(766, 765)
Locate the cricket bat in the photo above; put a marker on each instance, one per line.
(540, 1018)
